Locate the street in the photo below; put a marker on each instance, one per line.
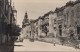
(26, 45)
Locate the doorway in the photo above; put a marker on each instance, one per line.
(60, 30)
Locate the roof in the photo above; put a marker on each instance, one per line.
(70, 3)
(47, 14)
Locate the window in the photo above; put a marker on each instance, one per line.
(78, 30)
(55, 28)
(67, 16)
(54, 20)
(72, 13)
(60, 30)
(0, 2)
(78, 11)
(60, 13)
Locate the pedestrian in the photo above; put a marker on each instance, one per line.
(54, 43)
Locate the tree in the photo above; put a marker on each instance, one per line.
(16, 30)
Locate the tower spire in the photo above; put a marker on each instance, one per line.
(10, 2)
(26, 15)
(13, 4)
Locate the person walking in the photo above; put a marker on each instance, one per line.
(54, 43)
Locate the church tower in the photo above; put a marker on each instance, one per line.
(25, 20)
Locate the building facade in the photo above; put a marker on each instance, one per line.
(52, 24)
(7, 19)
(63, 23)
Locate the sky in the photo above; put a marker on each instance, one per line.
(35, 8)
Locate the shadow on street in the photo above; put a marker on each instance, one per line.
(6, 48)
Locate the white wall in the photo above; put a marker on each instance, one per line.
(51, 24)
